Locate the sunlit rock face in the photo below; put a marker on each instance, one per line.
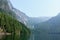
(21, 16)
(6, 5)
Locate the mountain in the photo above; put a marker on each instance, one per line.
(14, 21)
(20, 16)
(50, 29)
(7, 6)
(13, 26)
(51, 23)
(10, 20)
(35, 20)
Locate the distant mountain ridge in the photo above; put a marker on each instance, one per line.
(52, 21)
(35, 20)
(20, 16)
(49, 30)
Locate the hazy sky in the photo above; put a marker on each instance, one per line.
(37, 8)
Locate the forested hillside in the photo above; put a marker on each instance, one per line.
(11, 25)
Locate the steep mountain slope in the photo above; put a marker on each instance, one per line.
(11, 25)
(7, 6)
(4, 4)
(9, 20)
(49, 30)
(20, 16)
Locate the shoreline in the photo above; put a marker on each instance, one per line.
(2, 33)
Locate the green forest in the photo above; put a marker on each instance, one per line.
(11, 25)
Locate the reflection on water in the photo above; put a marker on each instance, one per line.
(37, 35)
(9, 37)
(34, 36)
(2, 37)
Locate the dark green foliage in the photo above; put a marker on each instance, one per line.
(11, 25)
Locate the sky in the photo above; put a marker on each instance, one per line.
(38, 8)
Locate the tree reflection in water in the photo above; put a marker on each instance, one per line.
(9, 37)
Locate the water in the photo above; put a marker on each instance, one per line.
(35, 35)
(12, 37)
(9, 37)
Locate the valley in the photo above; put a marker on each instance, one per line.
(16, 25)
